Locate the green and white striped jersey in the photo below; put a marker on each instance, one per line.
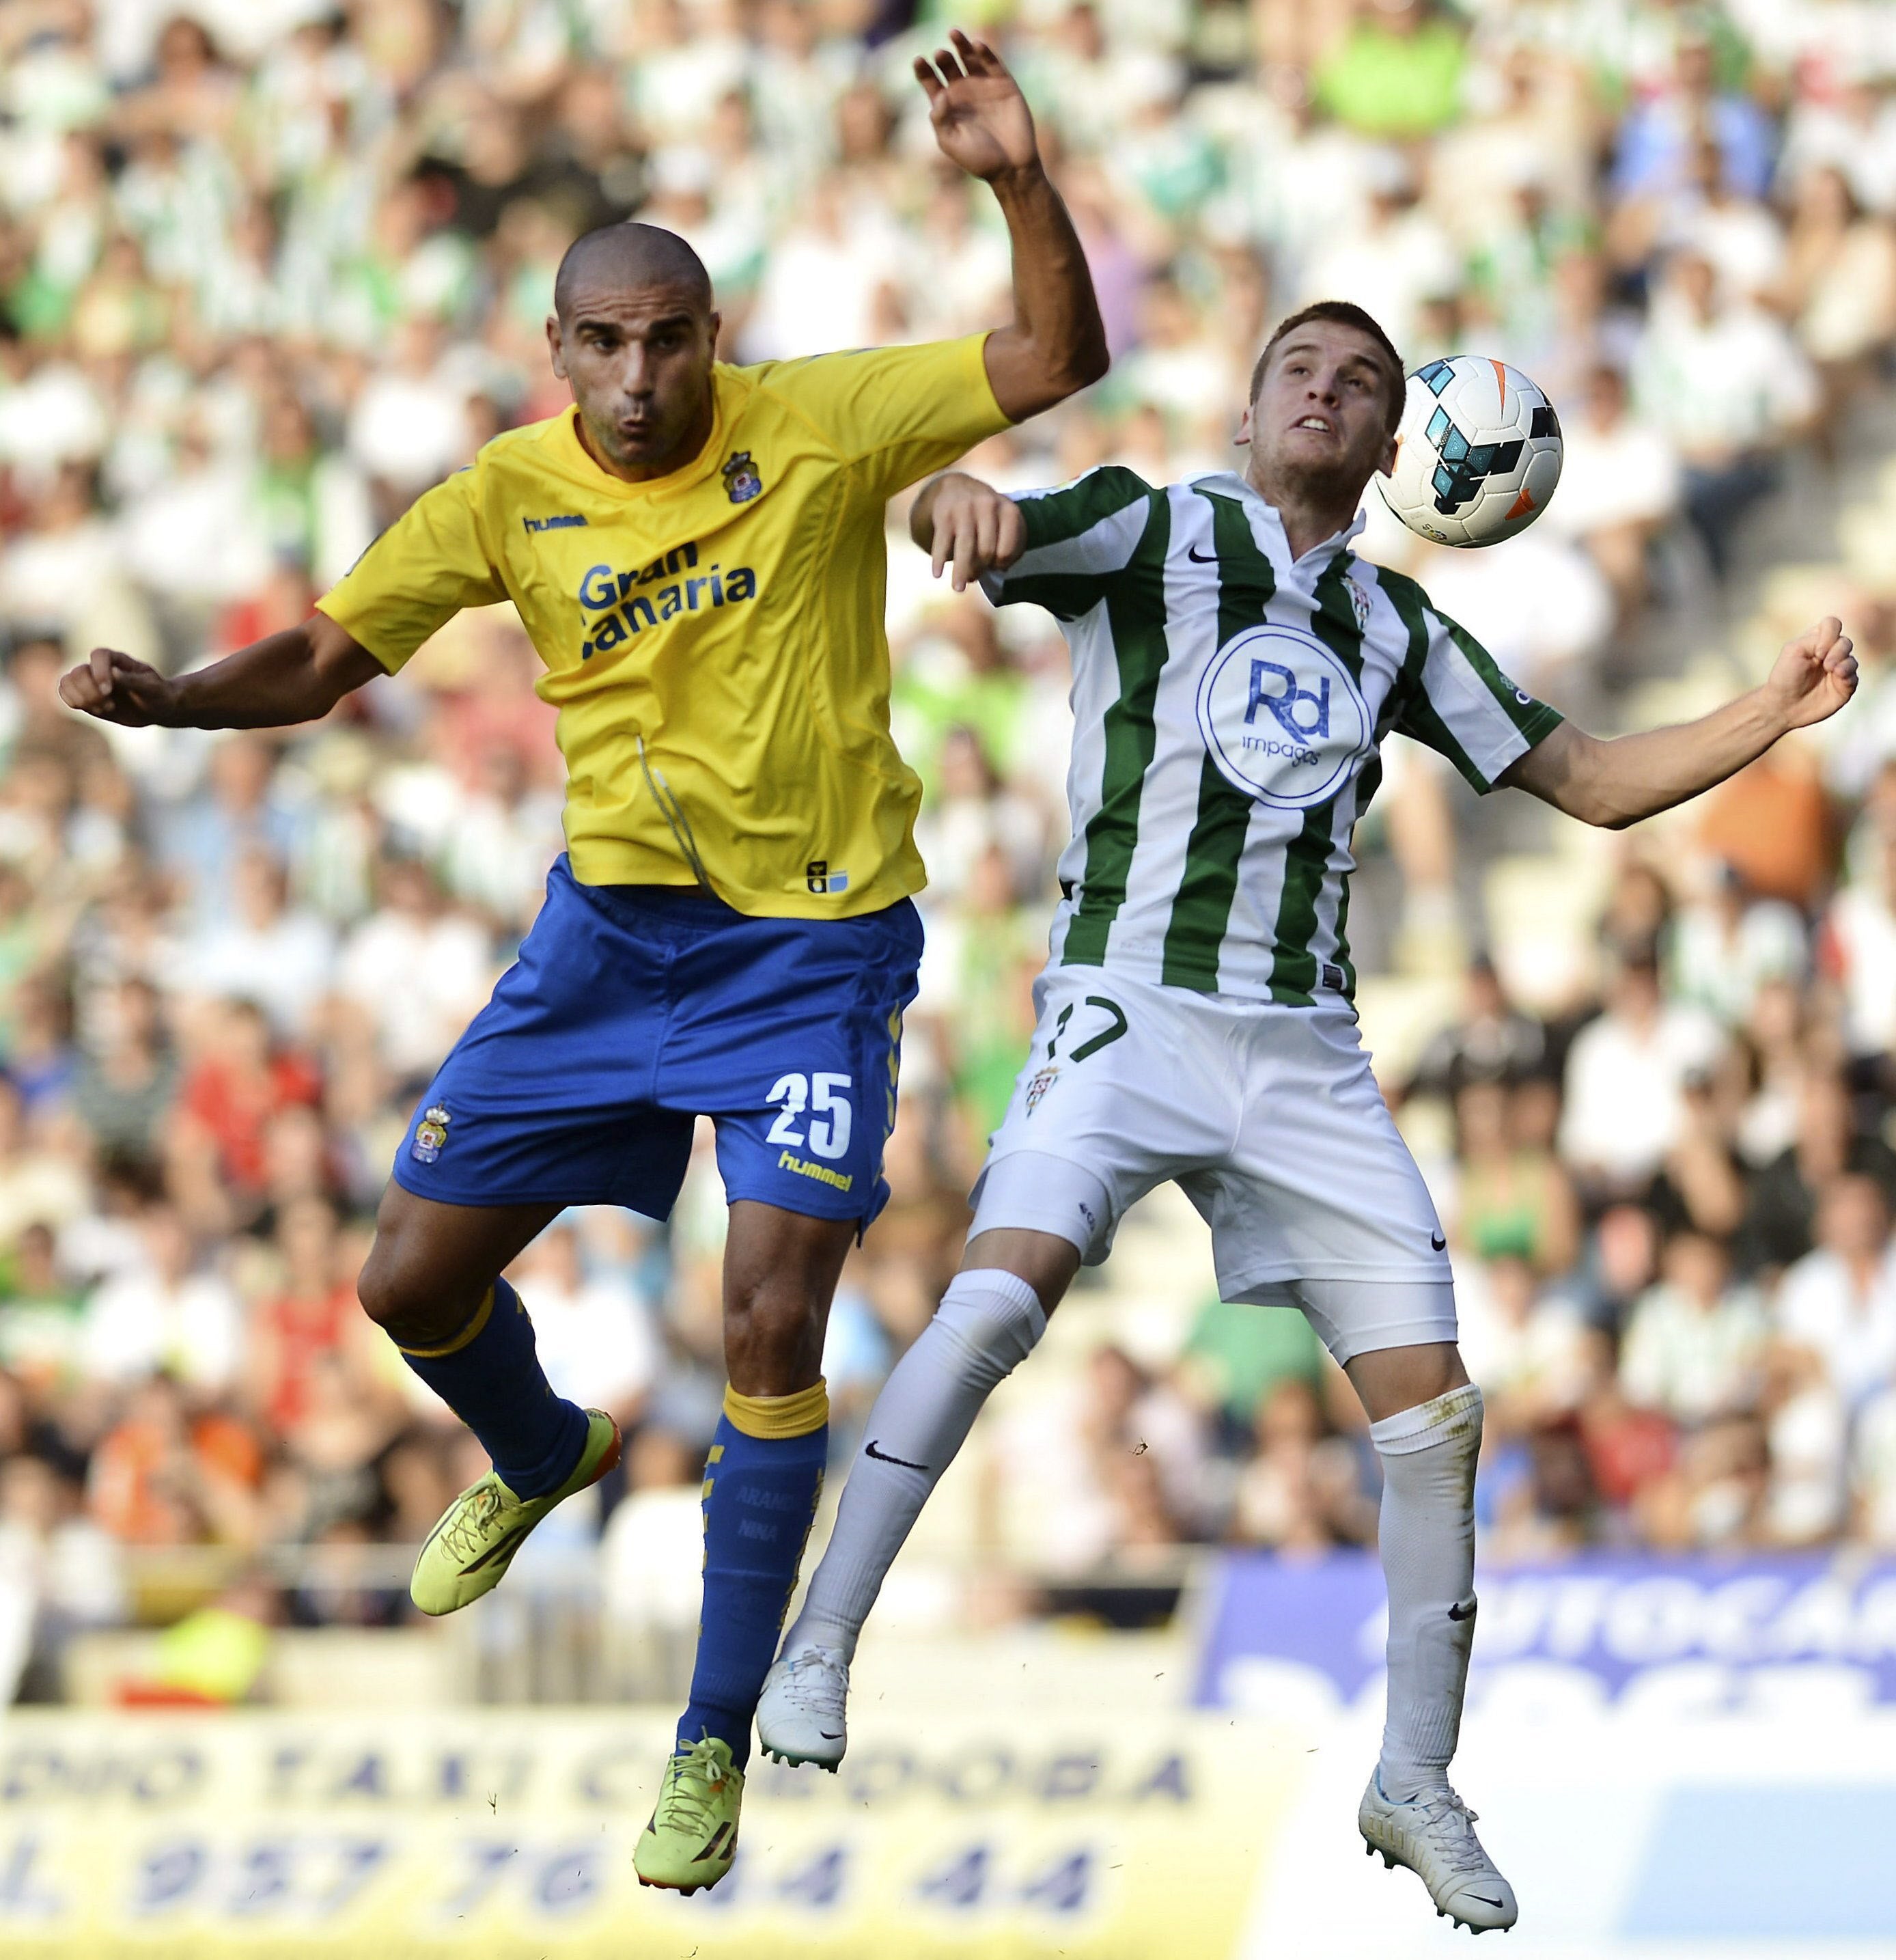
(1230, 703)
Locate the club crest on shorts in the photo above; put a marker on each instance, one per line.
(1038, 1088)
(431, 1133)
(742, 482)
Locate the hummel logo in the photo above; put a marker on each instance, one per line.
(1437, 1243)
(882, 1456)
(1200, 558)
(1463, 1613)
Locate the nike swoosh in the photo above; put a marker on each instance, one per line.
(1197, 558)
(1437, 1243)
(828, 1737)
(882, 1456)
(1485, 1900)
(1457, 1613)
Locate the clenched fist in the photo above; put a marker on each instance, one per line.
(114, 687)
(1815, 676)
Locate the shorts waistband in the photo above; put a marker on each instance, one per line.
(688, 908)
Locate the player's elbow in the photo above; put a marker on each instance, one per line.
(1030, 377)
(1576, 773)
(1084, 363)
(1588, 803)
(1092, 360)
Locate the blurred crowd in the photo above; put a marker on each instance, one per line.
(268, 271)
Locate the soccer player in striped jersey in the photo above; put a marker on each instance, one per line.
(1236, 669)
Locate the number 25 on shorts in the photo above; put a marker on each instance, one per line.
(826, 1099)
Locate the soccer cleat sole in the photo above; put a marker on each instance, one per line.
(795, 1762)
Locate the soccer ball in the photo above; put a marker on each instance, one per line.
(1478, 455)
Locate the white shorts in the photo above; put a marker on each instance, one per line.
(1267, 1118)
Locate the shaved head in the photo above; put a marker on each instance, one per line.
(624, 258)
(634, 333)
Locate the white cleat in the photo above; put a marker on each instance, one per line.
(801, 1715)
(1434, 1836)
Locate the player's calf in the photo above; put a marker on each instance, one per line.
(429, 1283)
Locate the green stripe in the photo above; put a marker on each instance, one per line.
(1063, 583)
(1367, 786)
(1534, 720)
(1411, 608)
(1201, 912)
(1417, 717)
(1293, 964)
(1136, 617)
(1065, 514)
(1516, 703)
(1067, 595)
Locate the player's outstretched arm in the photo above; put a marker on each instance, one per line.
(292, 676)
(1617, 782)
(1056, 344)
(959, 521)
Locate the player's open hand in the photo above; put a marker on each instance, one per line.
(114, 687)
(1815, 675)
(981, 119)
(977, 529)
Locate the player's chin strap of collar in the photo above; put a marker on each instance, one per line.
(673, 813)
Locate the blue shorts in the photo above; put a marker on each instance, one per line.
(632, 1010)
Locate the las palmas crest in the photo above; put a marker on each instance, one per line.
(742, 482)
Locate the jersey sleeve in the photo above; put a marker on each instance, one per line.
(895, 414)
(417, 574)
(1078, 536)
(1464, 707)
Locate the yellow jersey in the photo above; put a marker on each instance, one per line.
(713, 639)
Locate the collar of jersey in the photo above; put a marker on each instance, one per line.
(1250, 492)
(687, 476)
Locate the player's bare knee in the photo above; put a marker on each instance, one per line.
(384, 1287)
(1043, 1260)
(404, 1292)
(773, 1336)
(1389, 1380)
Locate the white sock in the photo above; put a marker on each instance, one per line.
(1427, 1536)
(987, 1325)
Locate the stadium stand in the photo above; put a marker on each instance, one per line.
(267, 271)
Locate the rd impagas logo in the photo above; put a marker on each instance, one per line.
(1282, 717)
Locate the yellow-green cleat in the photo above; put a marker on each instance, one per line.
(468, 1553)
(692, 1837)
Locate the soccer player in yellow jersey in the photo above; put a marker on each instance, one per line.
(697, 551)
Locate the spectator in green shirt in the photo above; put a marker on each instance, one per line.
(1396, 73)
(1235, 1355)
